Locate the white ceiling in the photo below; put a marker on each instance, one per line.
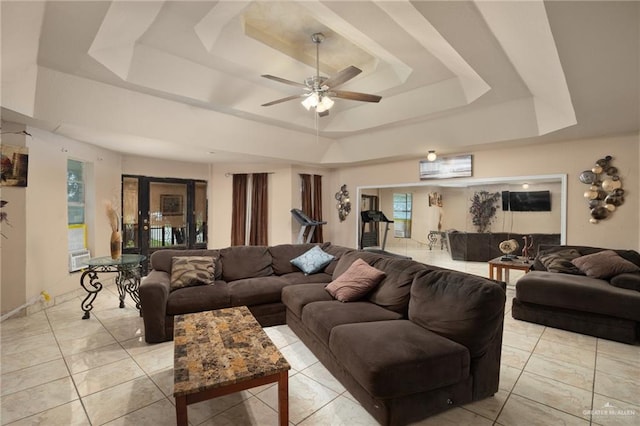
(182, 79)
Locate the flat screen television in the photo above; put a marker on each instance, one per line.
(530, 201)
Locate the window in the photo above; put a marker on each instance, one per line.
(402, 215)
(75, 192)
(77, 228)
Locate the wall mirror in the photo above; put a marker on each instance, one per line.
(526, 205)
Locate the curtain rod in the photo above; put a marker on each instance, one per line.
(255, 173)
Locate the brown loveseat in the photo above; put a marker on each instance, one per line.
(424, 340)
(607, 308)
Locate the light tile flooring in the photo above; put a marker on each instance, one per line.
(60, 370)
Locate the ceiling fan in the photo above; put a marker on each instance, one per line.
(319, 90)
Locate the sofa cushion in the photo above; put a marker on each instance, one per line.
(296, 297)
(560, 261)
(160, 260)
(187, 271)
(256, 291)
(337, 252)
(604, 264)
(464, 308)
(347, 259)
(393, 291)
(282, 254)
(578, 293)
(198, 299)
(629, 281)
(322, 317)
(395, 358)
(355, 282)
(245, 262)
(312, 261)
(301, 278)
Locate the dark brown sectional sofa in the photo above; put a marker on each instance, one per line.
(482, 247)
(579, 303)
(424, 340)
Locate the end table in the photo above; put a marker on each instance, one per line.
(127, 269)
(499, 265)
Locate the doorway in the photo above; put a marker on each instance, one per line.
(161, 213)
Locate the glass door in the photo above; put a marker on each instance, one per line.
(160, 213)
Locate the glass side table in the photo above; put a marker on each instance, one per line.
(127, 269)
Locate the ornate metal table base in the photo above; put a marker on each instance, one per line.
(127, 270)
(433, 239)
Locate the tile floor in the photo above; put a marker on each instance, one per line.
(60, 370)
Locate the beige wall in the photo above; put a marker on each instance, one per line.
(46, 231)
(571, 158)
(45, 223)
(13, 247)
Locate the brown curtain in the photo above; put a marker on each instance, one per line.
(258, 235)
(307, 200)
(317, 207)
(239, 210)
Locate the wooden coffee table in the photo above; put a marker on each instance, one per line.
(222, 352)
(500, 265)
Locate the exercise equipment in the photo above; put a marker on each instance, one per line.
(368, 239)
(305, 222)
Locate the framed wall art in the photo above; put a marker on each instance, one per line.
(171, 204)
(446, 167)
(14, 165)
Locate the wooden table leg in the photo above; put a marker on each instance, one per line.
(181, 410)
(499, 273)
(283, 398)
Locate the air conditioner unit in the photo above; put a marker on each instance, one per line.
(78, 259)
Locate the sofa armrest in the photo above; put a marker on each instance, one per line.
(154, 293)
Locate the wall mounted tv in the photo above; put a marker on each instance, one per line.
(530, 201)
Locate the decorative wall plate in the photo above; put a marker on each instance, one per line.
(605, 194)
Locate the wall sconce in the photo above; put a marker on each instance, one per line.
(431, 155)
(344, 203)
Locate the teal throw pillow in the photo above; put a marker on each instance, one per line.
(313, 260)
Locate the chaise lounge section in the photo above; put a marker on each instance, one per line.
(560, 295)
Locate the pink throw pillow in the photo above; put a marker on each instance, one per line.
(355, 282)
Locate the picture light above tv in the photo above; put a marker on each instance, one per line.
(530, 201)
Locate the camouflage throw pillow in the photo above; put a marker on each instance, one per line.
(187, 271)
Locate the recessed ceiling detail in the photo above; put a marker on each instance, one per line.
(185, 75)
(287, 28)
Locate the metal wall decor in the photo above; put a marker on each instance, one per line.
(605, 192)
(344, 203)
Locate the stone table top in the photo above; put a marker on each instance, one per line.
(219, 348)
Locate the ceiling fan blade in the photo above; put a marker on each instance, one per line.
(342, 77)
(284, 80)
(278, 101)
(355, 96)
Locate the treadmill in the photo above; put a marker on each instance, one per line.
(305, 222)
(368, 240)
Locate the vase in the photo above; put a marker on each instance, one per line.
(116, 245)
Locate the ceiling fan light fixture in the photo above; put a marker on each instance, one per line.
(310, 101)
(325, 104)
